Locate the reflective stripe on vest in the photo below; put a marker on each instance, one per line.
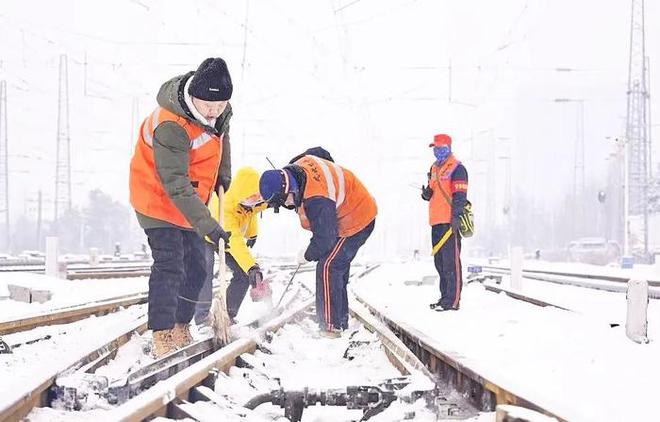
(149, 129)
(147, 193)
(338, 197)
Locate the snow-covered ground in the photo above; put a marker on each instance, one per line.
(65, 292)
(30, 364)
(571, 363)
(546, 355)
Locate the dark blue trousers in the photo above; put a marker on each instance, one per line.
(332, 273)
(448, 263)
(177, 274)
(238, 287)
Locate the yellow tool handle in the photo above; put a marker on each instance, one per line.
(441, 242)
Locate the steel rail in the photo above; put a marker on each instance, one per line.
(70, 314)
(578, 275)
(20, 406)
(482, 392)
(584, 281)
(161, 398)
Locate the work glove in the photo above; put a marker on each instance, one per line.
(301, 257)
(456, 225)
(255, 275)
(427, 193)
(224, 181)
(215, 236)
(251, 241)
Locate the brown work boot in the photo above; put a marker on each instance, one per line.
(163, 343)
(181, 335)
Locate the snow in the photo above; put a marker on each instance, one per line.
(65, 292)
(299, 358)
(546, 355)
(30, 365)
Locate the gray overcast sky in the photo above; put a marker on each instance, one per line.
(369, 80)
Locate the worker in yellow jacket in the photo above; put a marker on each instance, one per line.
(242, 206)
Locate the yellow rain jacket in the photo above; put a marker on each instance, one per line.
(242, 223)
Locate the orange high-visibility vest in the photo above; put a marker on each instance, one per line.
(356, 208)
(439, 207)
(147, 194)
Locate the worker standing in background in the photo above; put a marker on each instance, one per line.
(446, 192)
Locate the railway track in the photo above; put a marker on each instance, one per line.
(190, 381)
(98, 308)
(70, 314)
(615, 284)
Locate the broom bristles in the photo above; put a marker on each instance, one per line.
(220, 320)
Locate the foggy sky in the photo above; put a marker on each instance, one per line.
(370, 81)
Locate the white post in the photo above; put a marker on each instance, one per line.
(516, 267)
(94, 257)
(51, 256)
(636, 317)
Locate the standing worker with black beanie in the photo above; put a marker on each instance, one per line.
(181, 157)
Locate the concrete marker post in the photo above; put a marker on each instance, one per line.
(516, 267)
(636, 316)
(52, 254)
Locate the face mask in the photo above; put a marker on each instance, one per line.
(441, 153)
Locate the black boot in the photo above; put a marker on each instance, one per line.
(436, 304)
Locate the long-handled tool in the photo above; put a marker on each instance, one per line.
(287, 286)
(219, 316)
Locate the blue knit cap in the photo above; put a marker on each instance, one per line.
(275, 185)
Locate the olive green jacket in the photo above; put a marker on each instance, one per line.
(171, 155)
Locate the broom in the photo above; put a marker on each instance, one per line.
(220, 321)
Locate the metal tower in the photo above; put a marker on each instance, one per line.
(63, 163)
(4, 163)
(637, 133)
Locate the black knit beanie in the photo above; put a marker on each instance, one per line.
(211, 81)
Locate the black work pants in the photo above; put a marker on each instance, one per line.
(177, 274)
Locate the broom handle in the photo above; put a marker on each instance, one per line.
(221, 249)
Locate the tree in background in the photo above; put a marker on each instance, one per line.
(106, 222)
(101, 224)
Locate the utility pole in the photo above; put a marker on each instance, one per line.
(4, 162)
(63, 163)
(578, 165)
(39, 214)
(637, 142)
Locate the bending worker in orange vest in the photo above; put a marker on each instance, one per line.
(447, 195)
(181, 156)
(341, 214)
